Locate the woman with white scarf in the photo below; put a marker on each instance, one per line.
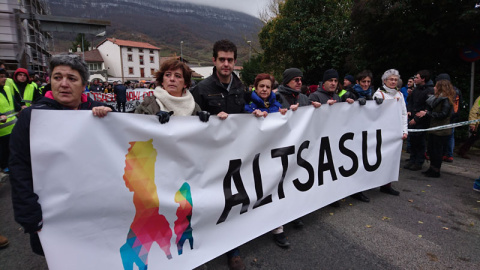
(171, 97)
(389, 90)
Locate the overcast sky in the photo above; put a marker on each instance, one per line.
(251, 7)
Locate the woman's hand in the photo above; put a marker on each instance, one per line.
(350, 101)
(283, 111)
(101, 111)
(259, 113)
(331, 101)
(404, 137)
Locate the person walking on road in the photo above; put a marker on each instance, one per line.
(120, 91)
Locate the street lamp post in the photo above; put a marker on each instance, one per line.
(250, 49)
(181, 50)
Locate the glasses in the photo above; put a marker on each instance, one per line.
(297, 80)
(393, 79)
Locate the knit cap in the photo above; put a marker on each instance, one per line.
(329, 74)
(291, 73)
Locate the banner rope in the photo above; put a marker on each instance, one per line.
(459, 124)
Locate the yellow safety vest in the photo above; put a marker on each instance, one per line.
(27, 94)
(7, 108)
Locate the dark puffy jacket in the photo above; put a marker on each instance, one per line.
(417, 102)
(257, 103)
(323, 96)
(212, 96)
(439, 110)
(120, 91)
(27, 210)
(288, 96)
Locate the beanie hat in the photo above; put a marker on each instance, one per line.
(350, 78)
(291, 73)
(443, 76)
(329, 74)
(20, 70)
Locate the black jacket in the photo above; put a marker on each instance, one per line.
(120, 91)
(417, 102)
(212, 96)
(323, 96)
(288, 96)
(27, 210)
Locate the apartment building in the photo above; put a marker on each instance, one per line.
(129, 60)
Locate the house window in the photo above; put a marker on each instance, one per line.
(140, 50)
(129, 49)
(94, 66)
(151, 51)
(130, 58)
(130, 70)
(152, 71)
(141, 59)
(152, 59)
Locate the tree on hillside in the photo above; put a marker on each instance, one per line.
(413, 35)
(78, 42)
(270, 11)
(312, 35)
(251, 69)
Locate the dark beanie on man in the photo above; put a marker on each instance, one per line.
(350, 78)
(291, 73)
(329, 74)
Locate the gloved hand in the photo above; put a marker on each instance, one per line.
(362, 101)
(203, 115)
(378, 100)
(163, 117)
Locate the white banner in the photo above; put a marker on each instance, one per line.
(127, 191)
(134, 98)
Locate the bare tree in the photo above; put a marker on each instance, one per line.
(271, 10)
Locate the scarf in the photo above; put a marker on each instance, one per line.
(181, 106)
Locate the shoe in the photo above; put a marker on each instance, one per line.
(298, 223)
(236, 263)
(335, 204)
(448, 159)
(389, 190)
(476, 187)
(416, 167)
(433, 174)
(3, 241)
(281, 240)
(427, 157)
(360, 196)
(427, 171)
(408, 165)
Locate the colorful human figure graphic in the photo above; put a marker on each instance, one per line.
(148, 225)
(183, 226)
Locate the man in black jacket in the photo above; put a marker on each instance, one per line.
(417, 102)
(120, 91)
(222, 94)
(69, 78)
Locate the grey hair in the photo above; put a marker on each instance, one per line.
(390, 72)
(74, 62)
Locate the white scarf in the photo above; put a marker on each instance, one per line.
(181, 106)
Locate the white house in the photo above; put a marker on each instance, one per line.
(129, 60)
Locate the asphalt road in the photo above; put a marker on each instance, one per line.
(433, 224)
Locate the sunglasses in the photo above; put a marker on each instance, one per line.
(297, 80)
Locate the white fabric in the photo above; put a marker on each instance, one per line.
(88, 210)
(397, 95)
(181, 106)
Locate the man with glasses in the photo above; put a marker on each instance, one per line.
(289, 91)
(222, 92)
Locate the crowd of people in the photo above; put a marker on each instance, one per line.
(424, 105)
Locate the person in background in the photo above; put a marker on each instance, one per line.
(473, 128)
(120, 91)
(406, 90)
(21, 84)
(439, 109)
(69, 78)
(289, 92)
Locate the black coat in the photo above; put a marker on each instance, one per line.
(212, 96)
(120, 91)
(417, 102)
(27, 210)
(323, 96)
